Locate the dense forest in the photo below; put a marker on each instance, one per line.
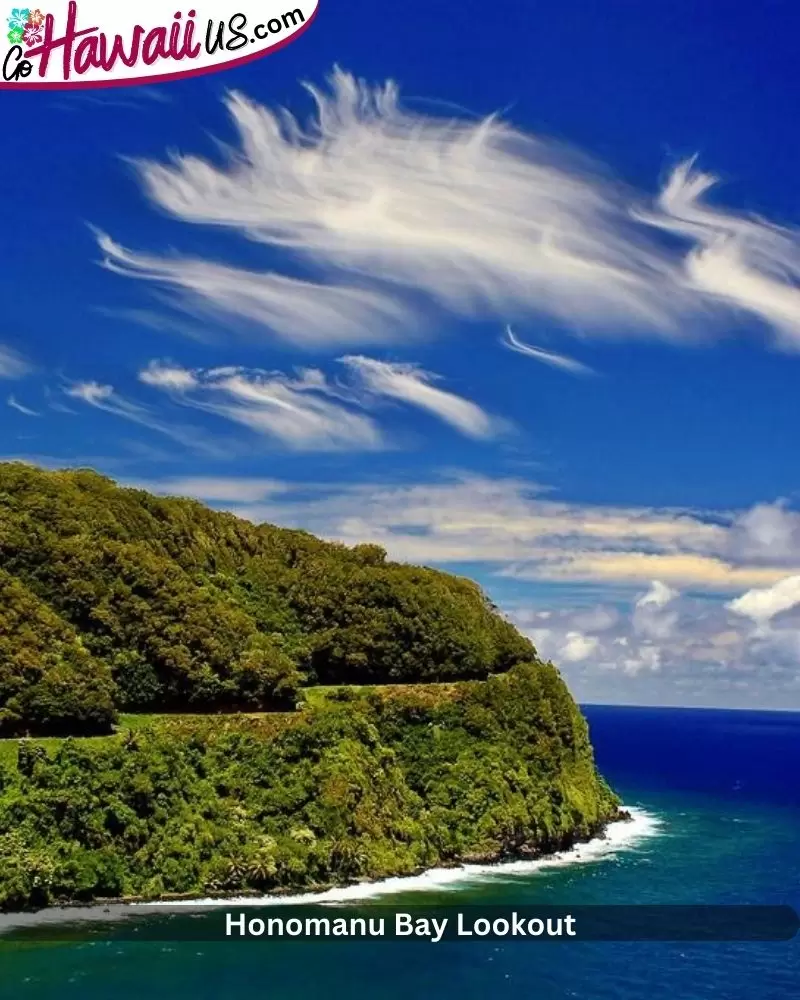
(191, 703)
(114, 599)
(365, 787)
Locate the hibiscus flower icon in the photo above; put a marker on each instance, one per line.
(36, 18)
(15, 36)
(19, 18)
(32, 34)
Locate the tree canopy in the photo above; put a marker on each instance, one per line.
(116, 599)
(368, 786)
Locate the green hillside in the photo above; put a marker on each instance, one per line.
(114, 599)
(358, 786)
(222, 707)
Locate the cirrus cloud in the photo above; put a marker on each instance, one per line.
(551, 358)
(12, 364)
(739, 260)
(311, 413)
(390, 217)
(410, 384)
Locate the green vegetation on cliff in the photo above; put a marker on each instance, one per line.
(165, 605)
(364, 787)
(342, 716)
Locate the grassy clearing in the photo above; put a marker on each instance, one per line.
(8, 748)
(435, 692)
(137, 723)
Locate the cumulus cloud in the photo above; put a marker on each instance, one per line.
(653, 616)
(658, 596)
(513, 343)
(701, 653)
(12, 364)
(739, 260)
(762, 605)
(766, 533)
(410, 384)
(577, 647)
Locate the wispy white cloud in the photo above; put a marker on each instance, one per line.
(104, 397)
(294, 411)
(164, 319)
(21, 408)
(617, 565)
(513, 343)
(739, 260)
(308, 412)
(164, 375)
(219, 489)
(396, 215)
(305, 312)
(410, 384)
(94, 394)
(480, 218)
(12, 364)
(53, 399)
(136, 99)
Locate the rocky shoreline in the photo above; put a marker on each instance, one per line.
(522, 853)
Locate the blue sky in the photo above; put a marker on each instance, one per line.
(317, 333)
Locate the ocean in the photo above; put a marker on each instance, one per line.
(715, 797)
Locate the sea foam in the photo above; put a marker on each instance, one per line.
(621, 836)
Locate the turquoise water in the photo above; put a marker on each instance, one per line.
(724, 790)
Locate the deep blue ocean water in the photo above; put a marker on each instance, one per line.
(725, 789)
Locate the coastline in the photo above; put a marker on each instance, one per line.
(633, 825)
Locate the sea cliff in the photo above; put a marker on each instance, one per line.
(165, 665)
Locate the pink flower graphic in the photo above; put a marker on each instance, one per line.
(36, 17)
(32, 34)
